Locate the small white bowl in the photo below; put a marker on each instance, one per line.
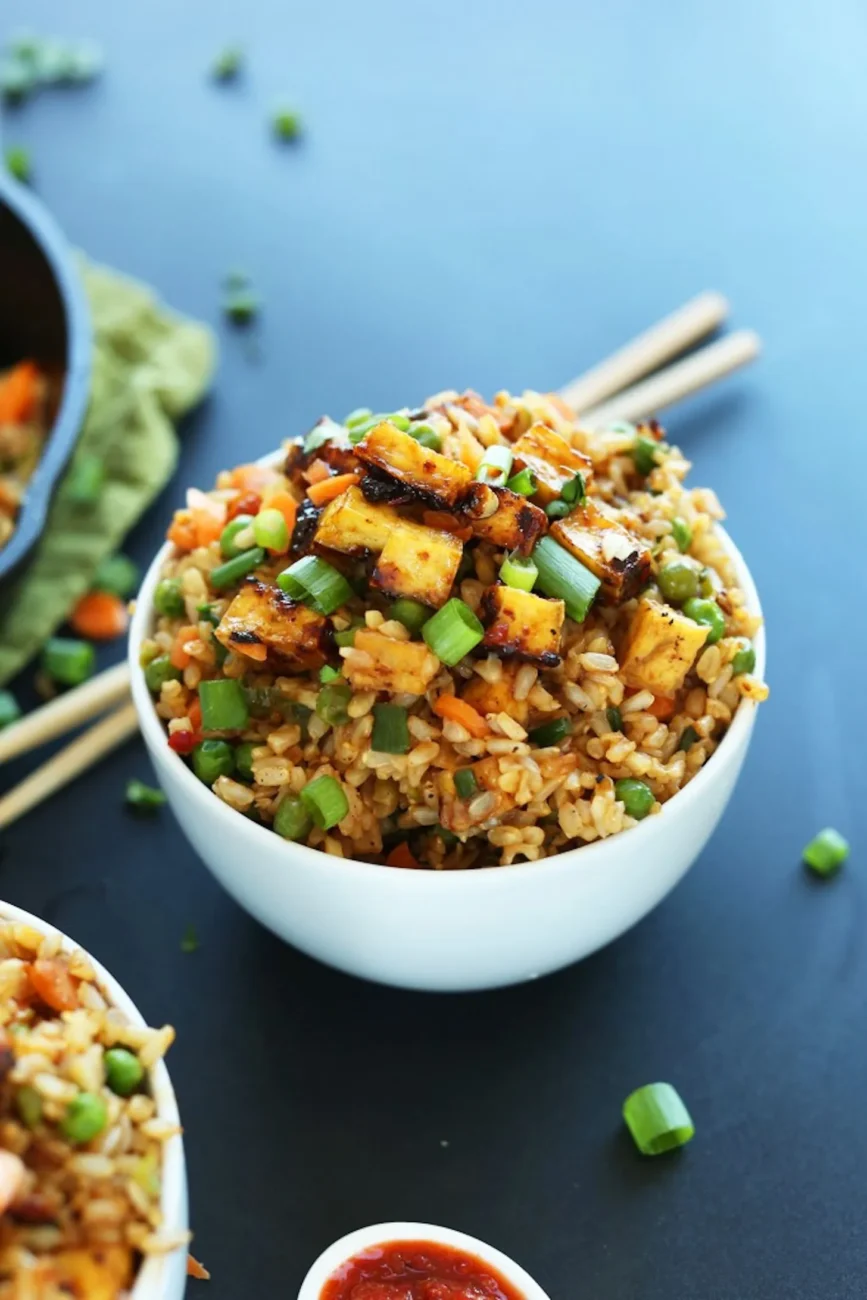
(161, 1277)
(383, 1234)
(449, 930)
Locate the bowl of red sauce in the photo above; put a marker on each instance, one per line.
(416, 1261)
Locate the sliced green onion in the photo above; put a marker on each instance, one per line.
(347, 636)
(496, 465)
(241, 305)
(519, 571)
(390, 731)
(68, 662)
(323, 431)
(287, 124)
(558, 509)
(85, 480)
(9, 709)
(615, 718)
(565, 578)
(466, 784)
(213, 758)
(358, 431)
(682, 533)
(524, 483)
(271, 531)
(227, 64)
(144, 798)
(233, 570)
(315, 580)
(360, 415)
(574, 492)
(708, 614)
(332, 702)
(744, 661)
(169, 598)
(328, 674)
(224, 707)
(636, 797)
(158, 671)
(207, 614)
(292, 820)
(325, 801)
(228, 547)
(657, 1119)
(826, 852)
(244, 759)
(644, 454)
(117, 574)
(412, 613)
(427, 437)
(453, 632)
(550, 733)
(688, 737)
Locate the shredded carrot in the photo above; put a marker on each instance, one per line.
(452, 709)
(100, 616)
(402, 856)
(252, 478)
(447, 524)
(281, 500)
(317, 471)
(54, 984)
(182, 531)
(197, 1270)
(328, 489)
(19, 393)
(178, 656)
(662, 708)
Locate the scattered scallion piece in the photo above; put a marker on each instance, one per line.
(241, 305)
(332, 702)
(390, 732)
(67, 661)
(224, 707)
(360, 430)
(519, 571)
(271, 531)
(688, 737)
(681, 532)
(657, 1119)
(190, 940)
(524, 483)
(636, 797)
(325, 801)
(565, 578)
(314, 580)
(575, 491)
(826, 852)
(328, 674)
(286, 124)
(323, 431)
(744, 661)
(644, 454)
(412, 613)
(558, 509)
(550, 733)
(427, 437)
(347, 636)
(466, 784)
(453, 632)
(495, 466)
(18, 163)
(227, 64)
(615, 718)
(144, 798)
(213, 758)
(117, 574)
(292, 821)
(244, 759)
(229, 547)
(9, 709)
(226, 574)
(360, 415)
(85, 480)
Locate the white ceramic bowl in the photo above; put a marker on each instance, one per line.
(451, 930)
(161, 1277)
(381, 1234)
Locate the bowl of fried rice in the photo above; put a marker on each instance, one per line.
(451, 696)
(93, 1199)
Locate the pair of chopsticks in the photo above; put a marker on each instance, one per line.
(628, 385)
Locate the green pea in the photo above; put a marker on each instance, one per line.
(213, 758)
(636, 797)
(744, 661)
(169, 599)
(682, 533)
(709, 615)
(688, 737)
(123, 1071)
(228, 549)
(705, 583)
(677, 581)
(244, 760)
(291, 819)
(160, 670)
(85, 1118)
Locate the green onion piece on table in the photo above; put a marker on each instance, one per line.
(325, 801)
(224, 707)
(332, 703)
(9, 709)
(744, 661)
(123, 1071)
(496, 466)
(271, 531)
(644, 454)
(287, 124)
(412, 613)
(615, 718)
(169, 598)
(636, 797)
(657, 1119)
(160, 670)
(390, 731)
(709, 615)
(67, 661)
(292, 821)
(519, 571)
(550, 733)
(826, 852)
(314, 580)
(453, 632)
(225, 575)
(466, 784)
(213, 758)
(565, 578)
(228, 548)
(117, 574)
(524, 483)
(144, 798)
(688, 737)
(682, 533)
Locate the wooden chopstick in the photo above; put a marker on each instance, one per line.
(668, 338)
(67, 711)
(76, 758)
(676, 382)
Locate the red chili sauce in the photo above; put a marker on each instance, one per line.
(417, 1270)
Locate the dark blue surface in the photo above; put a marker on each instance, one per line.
(494, 194)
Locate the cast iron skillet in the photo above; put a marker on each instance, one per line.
(43, 315)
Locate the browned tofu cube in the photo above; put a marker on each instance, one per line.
(660, 648)
(522, 625)
(418, 562)
(434, 477)
(620, 560)
(514, 523)
(262, 616)
(352, 525)
(550, 457)
(375, 662)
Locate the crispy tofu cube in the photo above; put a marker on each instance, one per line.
(522, 625)
(513, 525)
(549, 456)
(352, 525)
(418, 562)
(377, 663)
(620, 560)
(91, 1272)
(660, 648)
(436, 478)
(263, 616)
(497, 697)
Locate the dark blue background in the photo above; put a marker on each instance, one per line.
(497, 194)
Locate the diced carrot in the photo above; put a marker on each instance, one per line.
(208, 516)
(662, 707)
(328, 489)
(245, 503)
(281, 500)
(317, 471)
(194, 713)
(19, 393)
(53, 984)
(182, 531)
(197, 1270)
(252, 478)
(402, 856)
(100, 616)
(447, 524)
(178, 656)
(452, 709)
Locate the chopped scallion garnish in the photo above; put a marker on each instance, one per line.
(565, 578)
(360, 415)
(550, 733)
(826, 852)
(224, 706)
(67, 661)
(744, 661)
(332, 703)
(519, 571)
(466, 784)
(390, 731)
(412, 613)
(325, 801)
(657, 1119)
(328, 674)
(615, 718)
(574, 492)
(681, 532)
(453, 632)
(233, 570)
(495, 466)
(314, 580)
(688, 737)
(524, 483)
(644, 453)
(144, 798)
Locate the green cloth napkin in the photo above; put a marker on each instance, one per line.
(150, 366)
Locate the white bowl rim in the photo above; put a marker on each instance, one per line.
(734, 742)
(149, 1281)
(383, 1234)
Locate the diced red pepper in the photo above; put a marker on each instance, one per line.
(248, 503)
(184, 742)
